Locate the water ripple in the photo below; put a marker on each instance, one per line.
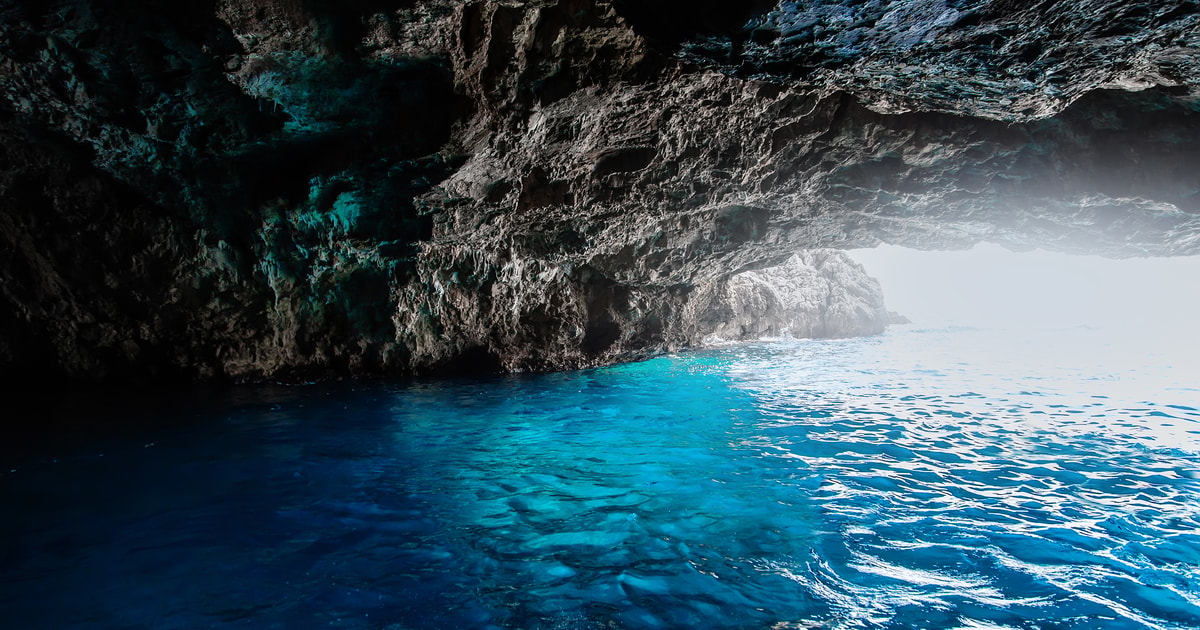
(835, 485)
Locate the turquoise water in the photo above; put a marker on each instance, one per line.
(920, 479)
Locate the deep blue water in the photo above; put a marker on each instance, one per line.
(919, 479)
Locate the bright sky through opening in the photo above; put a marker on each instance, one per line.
(989, 286)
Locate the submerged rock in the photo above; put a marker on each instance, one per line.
(281, 190)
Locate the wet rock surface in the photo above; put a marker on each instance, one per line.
(286, 189)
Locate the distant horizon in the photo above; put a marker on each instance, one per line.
(990, 286)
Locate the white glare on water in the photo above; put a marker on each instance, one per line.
(1124, 328)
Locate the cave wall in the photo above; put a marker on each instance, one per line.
(816, 294)
(295, 189)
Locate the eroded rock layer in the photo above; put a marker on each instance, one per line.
(290, 189)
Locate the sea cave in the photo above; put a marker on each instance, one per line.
(571, 314)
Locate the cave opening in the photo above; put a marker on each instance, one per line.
(989, 285)
(1124, 325)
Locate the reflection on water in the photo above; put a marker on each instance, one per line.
(901, 481)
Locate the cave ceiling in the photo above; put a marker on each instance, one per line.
(263, 188)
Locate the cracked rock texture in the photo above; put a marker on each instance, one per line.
(815, 294)
(295, 189)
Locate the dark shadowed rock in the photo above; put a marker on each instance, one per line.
(284, 189)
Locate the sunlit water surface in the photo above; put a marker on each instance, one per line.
(949, 478)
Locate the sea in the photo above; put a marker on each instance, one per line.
(929, 477)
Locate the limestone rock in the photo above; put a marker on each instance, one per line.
(286, 190)
(815, 294)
